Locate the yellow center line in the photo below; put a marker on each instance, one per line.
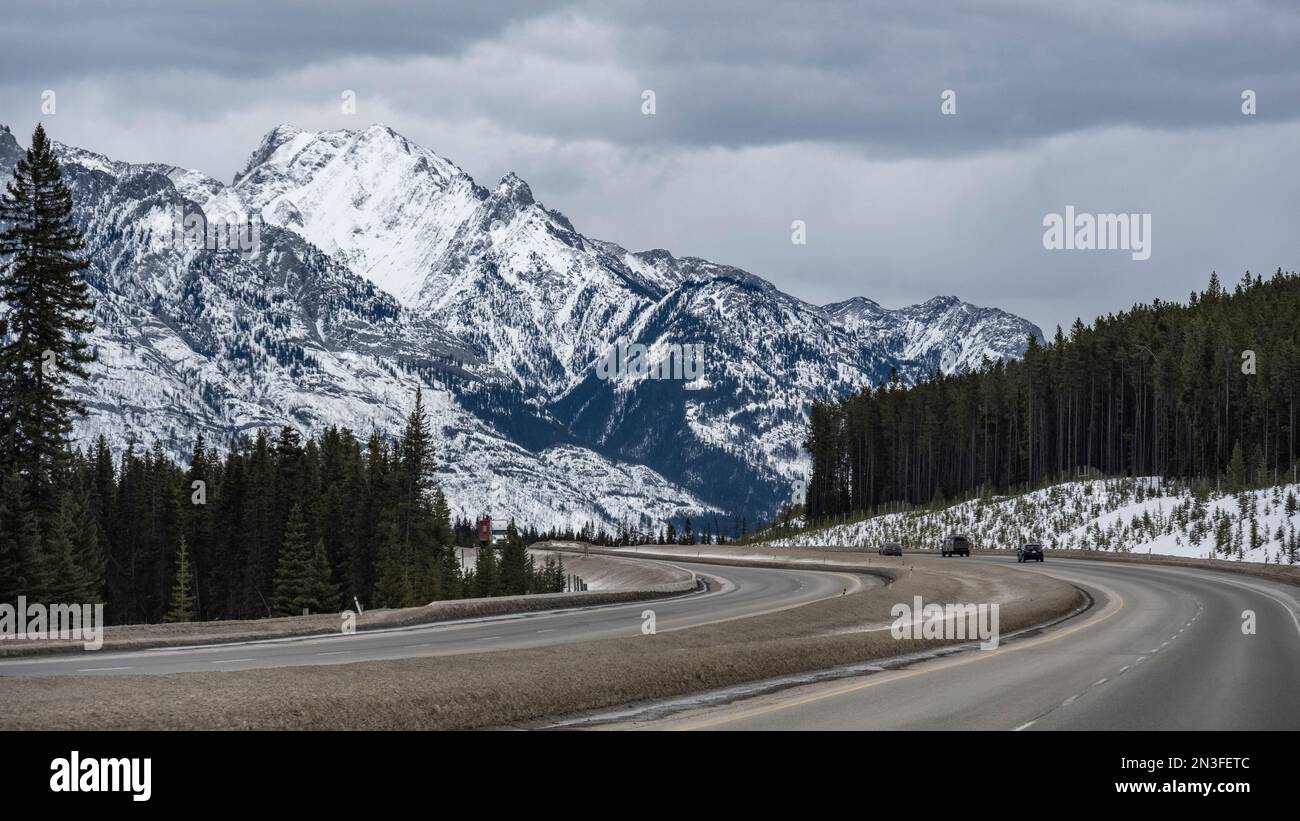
(1116, 605)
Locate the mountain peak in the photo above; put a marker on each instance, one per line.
(942, 301)
(271, 142)
(513, 188)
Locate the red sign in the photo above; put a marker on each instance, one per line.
(485, 530)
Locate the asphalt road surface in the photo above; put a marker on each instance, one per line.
(1165, 650)
(737, 592)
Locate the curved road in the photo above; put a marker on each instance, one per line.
(1163, 649)
(736, 592)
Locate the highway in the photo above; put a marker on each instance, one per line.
(735, 592)
(1163, 649)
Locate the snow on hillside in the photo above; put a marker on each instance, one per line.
(1124, 515)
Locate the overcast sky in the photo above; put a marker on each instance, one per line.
(824, 112)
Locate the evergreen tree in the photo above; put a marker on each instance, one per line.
(320, 589)
(514, 563)
(41, 345)
(487, 573)
(182, 600)
(68, 575)
(1236, 479)
(441, 518)
(302, 575)
(20, 541)
(561, 575)
(394, 586)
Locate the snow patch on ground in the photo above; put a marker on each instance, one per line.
(1123, 515)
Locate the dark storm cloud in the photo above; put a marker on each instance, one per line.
(740, 73)
(50, 40)
(743, 73)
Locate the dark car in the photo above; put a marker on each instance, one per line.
(955, 546)
(891, 549)
(1029, 552)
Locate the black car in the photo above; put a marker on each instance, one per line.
(891, 549)
(955, 546)
(1029, 552)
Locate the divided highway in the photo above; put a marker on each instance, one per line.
(736, 592)
(1162, 650)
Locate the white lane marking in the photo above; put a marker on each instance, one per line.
(1115, 605)
(486, 638)
(1024, 726)
(1069, 701)
(548, 630)
(1099, 683)
(1288, 606)
(334, 653)
(231, 661)
(1140, 659)
(1122, 669)
(99, 669)
(1164, 644)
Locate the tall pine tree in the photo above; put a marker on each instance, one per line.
(41, 345)
(182, 599)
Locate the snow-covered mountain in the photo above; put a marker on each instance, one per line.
(944, 333)
(381, 266)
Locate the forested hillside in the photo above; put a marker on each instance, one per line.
(1196, 391)
(275, 527)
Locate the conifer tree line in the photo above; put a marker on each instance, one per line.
(1204, 390)
(276, 527)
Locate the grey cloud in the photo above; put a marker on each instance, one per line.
(826, 112)
(58, 39)
(734, 73)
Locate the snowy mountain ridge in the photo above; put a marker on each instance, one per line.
(383, 266)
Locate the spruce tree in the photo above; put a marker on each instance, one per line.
(20, 541)
(181, 606)
(66, 571)
(558, 578)
(441, 518)
(487, 573)
(394, 586)
(41, 345)
(324, 595)
(514, 563)
(302, 573)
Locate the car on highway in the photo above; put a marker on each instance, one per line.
(891, 549)
(955, 545)
(1029, 552)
